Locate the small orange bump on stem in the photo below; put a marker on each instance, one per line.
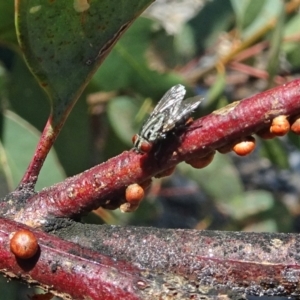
(280, 126)
(244, 147)
(201, 162)
(165, 173)
(296, 126)
(24, 244)
(134, 193)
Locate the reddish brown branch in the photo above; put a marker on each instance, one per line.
(68, 269)
(188, 260)
(106, 183)
(181, 264)
(44, 145)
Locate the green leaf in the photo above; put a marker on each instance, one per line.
(7, 25)
(294, 138)
(291, 44)
(220, 179)
(127, 59)
(184, 43)
(240, 9)
(249, 204)
(246, 11)
(6, 181)
(19, 142)
(275, 46)
(64, 42)
(73, 143)
(213, 18)
(127, 66)
(216, 91)
(34, 107)
(262, 17)
(3, 93)
(26, 98)
(274, 150)
(269, 225)
(291, 28)
(121, 112)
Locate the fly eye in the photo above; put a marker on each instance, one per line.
(145, 147)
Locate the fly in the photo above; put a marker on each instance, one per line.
(171, 111)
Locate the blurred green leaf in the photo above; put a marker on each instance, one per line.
(121, 112)
(184, 44)
(220, 179)
(249, 204)
(274, 150)
(3, 93)
(294, 138)
(292, 44)
(240, 8)
(275, 46)
(127, 59)
(73, 145)
(19, 142)
(269, 12)
(246, 11)
(213, 18)
(27, 99)
(30, 102)
(127, 67)
(216, 91)
(6, 181)
(291, 28)
(7, 24)
(268, 225)
(11, 289)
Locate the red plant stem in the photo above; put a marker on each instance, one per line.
(107, 181)
(45, 144)
(66, 268)
(252, 263)
(252, 51)
(243, 68)
(159, 262)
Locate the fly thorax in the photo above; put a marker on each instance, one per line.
(151, 131)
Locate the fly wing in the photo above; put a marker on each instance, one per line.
(187, 107)
(180, 115)
(192, 102)
(162, 111)
(171, 99)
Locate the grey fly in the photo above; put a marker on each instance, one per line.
(170, 112)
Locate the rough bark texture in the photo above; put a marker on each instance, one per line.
(187, 264)
(87, 261)
(105, 184)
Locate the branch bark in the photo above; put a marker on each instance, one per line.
(139, 263)
(146, 263)
(104, 185)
